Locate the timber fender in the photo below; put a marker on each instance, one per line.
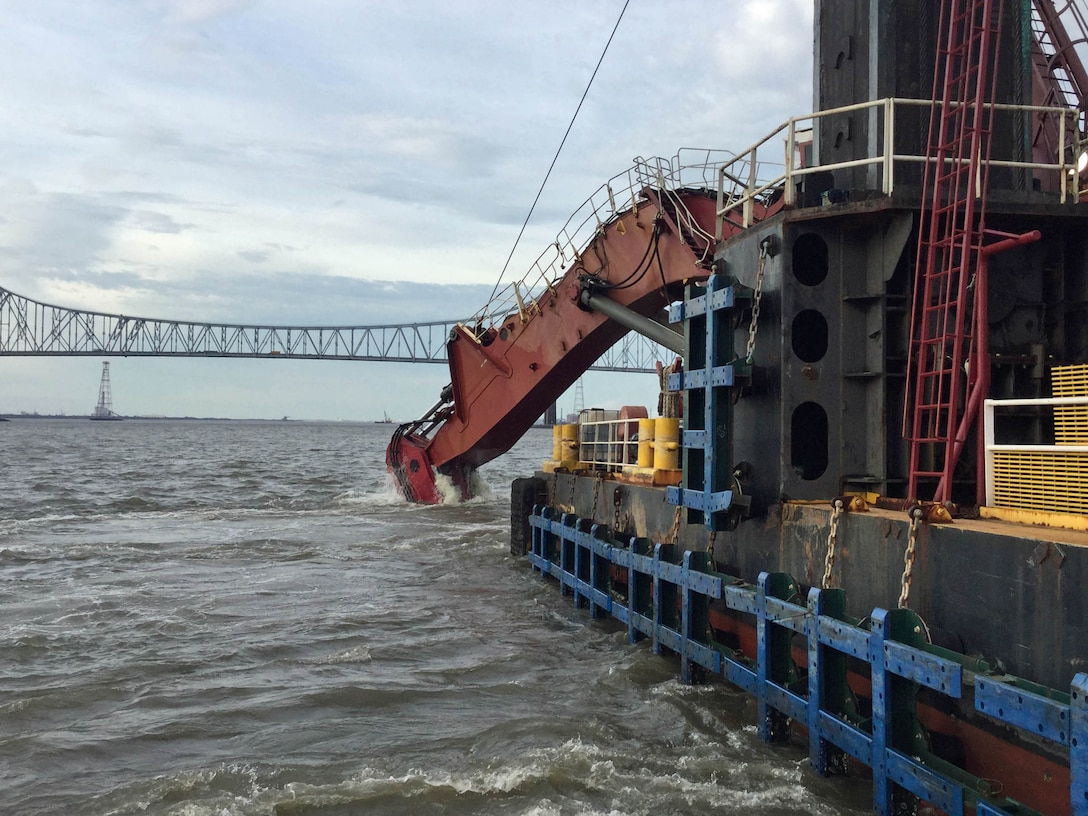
(524, 494)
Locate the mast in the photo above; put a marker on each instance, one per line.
(104, 408)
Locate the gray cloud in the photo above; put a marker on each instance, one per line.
(151, 221)
(259, 161)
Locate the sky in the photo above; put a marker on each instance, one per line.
(339, 162)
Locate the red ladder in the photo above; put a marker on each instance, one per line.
(943, 324)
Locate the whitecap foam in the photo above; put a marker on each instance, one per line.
(447, 490)
(356, 654)
(481, 781)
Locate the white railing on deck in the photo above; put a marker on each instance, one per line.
(756, 175)
(759, 172)
(1065, 450)
(691, 168)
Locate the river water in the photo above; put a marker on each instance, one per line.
(204, 617)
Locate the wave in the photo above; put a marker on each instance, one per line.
(136, 504)
(16, 557)
(356, 654)
(572, 777)
(236, 502)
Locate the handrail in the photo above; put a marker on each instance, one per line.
(742, 180)
(735, 196)
(690, 168)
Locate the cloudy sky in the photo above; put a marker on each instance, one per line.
(338, 162)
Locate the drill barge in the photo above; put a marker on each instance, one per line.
(866, 499)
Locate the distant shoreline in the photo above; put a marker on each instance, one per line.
(137, 418)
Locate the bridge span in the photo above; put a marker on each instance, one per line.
(31, 328)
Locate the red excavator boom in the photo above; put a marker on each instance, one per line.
(504, 374)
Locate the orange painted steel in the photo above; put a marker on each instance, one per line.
(504, 375)
(503, 380)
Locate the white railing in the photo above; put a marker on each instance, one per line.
(608, 444)
(759, 171)
(992, 448)
(754, 176)
(690, 168)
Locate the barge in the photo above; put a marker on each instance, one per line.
(865, 500)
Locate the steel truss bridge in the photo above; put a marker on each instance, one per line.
(30, 328)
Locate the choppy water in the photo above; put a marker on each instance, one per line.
(242, 618)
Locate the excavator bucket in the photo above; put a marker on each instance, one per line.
(406, 458)
(416, 477)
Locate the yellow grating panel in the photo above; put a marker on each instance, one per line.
(1052, 482)
(1070, 421)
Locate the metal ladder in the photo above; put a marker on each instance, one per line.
(943, 329)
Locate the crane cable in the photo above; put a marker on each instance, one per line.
(557, 152)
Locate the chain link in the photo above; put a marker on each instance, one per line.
(616, 498)
(908, 557)
(573, 481)
(750, 351)
(832, 541)
(597, 493)
(674, 530)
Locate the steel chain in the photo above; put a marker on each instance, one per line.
(750, 352)
(616, 497)
(674, 530)
(908, 557)
(597, 493)
(573, 480)
(832, 541)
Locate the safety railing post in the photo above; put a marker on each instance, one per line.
(749, 194)
(789, 193)
(1061, 171)
(988, 442)
(889, 146)
(720, 205)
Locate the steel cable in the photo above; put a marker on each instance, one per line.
(555, 158)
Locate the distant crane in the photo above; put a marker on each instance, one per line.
(104, 408)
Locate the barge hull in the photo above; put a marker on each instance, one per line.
(955, 730)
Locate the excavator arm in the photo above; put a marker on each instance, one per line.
(502, 376)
